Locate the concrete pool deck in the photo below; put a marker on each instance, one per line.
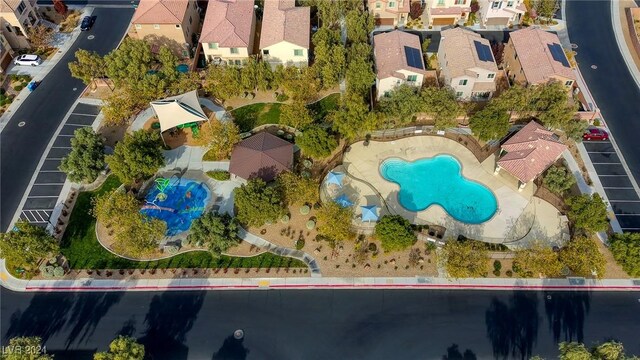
(520, 217)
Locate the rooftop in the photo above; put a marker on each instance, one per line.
(465, 50)
(228, 23)
(395, 51)
(262, 155)
(160, 12)
(283, 21)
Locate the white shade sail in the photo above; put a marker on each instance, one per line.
(178, 110)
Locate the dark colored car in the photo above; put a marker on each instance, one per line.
(595, 134)
(87, 23)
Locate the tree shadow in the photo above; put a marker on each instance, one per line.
(231, 349)
(566, 312)
(513, 327)
(453, 353)
(170, 317)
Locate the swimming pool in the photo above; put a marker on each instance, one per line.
(182, 201)
(439, 181)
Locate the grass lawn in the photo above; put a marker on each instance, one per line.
(323, 107)
(81, 248)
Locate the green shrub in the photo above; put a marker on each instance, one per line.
(282, 97)
(58, 271)
(311, 224)
(172, 249)
(509, 273)
(18, 87)
(304, 210)
(497, 265)
(299, 244)
(220, 175)
(284, 219)
(496, 272)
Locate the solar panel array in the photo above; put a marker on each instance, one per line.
(558, 54)
(414, 57)
(484, 51)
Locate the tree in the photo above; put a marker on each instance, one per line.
(442, 104)
(395, 233)
(255, 74)
(135, 234)
(497, 48)
(120, 107)
(24, 246)
(464, 259)
(130, 62)
(416, 10)
(86, 159)
(612, 350)
(536, 261)
(316, 142)
(625, 248)
(223, 82)
(573, 351)
(359, 76)
(87, 67)
(218, 232)
(582, 256)
(400, 106)
(40, 37)
(574, 129)
(256, 203)
(490, 123)
(353, 118)
(137, 156)
(558, 179)
(296, 115)
(334, 222)
(329, 56)
(25, 348)
(299, 84)
(359, 25)
(60, 7)
(550, 102)
(122, 348)
(588, 213)
(546, 8)
(297, 189)
(185, 83)
(425, 46)
(219, 137)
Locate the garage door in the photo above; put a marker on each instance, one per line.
(503, 21)
(444, 21)
(384, 21)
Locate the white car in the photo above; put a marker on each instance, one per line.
(28, 60)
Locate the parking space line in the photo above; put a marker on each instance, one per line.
(24, 212)
(49, 183)
(627, 214)
(611, 163)
(611, 175)
(46, 171)
(61, 147)
(63, 135)
(42, 196)
(601, 152)
(75, 113)
(613, 187)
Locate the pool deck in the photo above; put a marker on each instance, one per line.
(520, 218)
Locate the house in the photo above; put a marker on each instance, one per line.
(6, 53)
(501, 12)
(389, 12)
(466, 64)
(529, 152)
(262, 155)
(448, 12)
(16, 16)
(228, 31)
(285, 35)
(172, 23)
(534, 56)
(398, 58)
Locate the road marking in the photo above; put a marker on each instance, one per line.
(21, 124)
(42, 196)
(601, 163)
(61, 147)
(611, 175)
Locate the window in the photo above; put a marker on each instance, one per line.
(234, 51)
(568, 83)
(460, 2)
(491, 76)
(190, 20)
(459, 94)
(213, 46)
(495, 5)
(509, 3)
(440, 2)
(238, 62)
(177, 26)
(9, 28)
(265, 52)
(412, 78)
(21, 7)
(462, 82)
(138, 26)
(378, 5)
(297, 52)
(156, 26)
(392, 4)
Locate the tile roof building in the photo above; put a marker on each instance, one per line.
(389, 12)
(530, 152)
(16, 16)
(262, 155)
(501, 12)
(466, 64)
(398, 58)
(228, 31)
(448, 12)
(286, 33)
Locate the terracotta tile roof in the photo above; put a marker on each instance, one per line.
(453, 10)
(228, 23)
(160, 12)
(283, 21)
(262, 155)
(460, 51)
(538, 64)
(530, 152)
(390, 55)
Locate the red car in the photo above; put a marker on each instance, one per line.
(596, 134)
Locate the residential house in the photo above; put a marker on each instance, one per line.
(389, 12)
(398, 58)
(533, 56)
(448, 12)
(501, 12)
(285, 35)
(228, 31)
(466, 64)
(6, 53)
(171, 23)
(16, 16)
(529, 152)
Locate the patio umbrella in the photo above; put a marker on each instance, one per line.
(343, 201)
(335, 178)
(369, 213)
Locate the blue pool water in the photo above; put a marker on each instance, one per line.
(439, 181)
(183, 68)
(183, 201)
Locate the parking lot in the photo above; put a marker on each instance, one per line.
(622, 195)
(43, 195)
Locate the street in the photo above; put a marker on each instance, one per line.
(22, 147)
(324, 324)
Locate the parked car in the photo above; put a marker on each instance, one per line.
(595, 134)
(28, 60)
(87, 23)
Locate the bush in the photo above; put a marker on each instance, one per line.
(626, 250)
(282, 97)
(311, 224)
(173, 249)
(304, 210)
(299, 244)
(220, 175)
(497, 266)
(18, 87)
(464, 259)
(558, 179)
(373, 247)
(47, 271)
(256, 203)
(509, 273)
(58, 271)
(284, 219)
(496, 272)
(395, 233)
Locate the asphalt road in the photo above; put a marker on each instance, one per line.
(22, 147)
(611, 84)
(324, 324)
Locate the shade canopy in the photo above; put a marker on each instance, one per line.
(369, 213)
(335, 178)
(343, 201)
(178, 110)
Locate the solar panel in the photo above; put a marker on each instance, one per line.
(414, 57)
(484, 51)
(558, 54)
